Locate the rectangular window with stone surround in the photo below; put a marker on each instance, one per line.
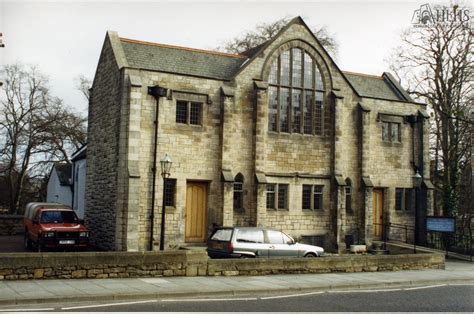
(188, 112)
(277, 196)
(404, 199)
(391, 132)
(312, 198)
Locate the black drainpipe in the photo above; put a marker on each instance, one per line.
(157, 92)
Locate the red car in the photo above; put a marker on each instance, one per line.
(53, 226)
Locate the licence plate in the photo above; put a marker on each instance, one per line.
(218, 246)
(67, 242)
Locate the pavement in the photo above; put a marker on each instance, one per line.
(80, 290)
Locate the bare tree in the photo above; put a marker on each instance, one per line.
(435, 63)
(265, 31)
(83, 84)
(35, 128)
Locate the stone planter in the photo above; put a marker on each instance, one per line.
(358, 248)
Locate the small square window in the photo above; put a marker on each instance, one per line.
(188, 112)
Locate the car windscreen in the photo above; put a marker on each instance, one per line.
(58, 217)
(222, 235)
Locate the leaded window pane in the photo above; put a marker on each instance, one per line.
(170, 192)
(296, 105)
(195, 113)
(285, 68)
(273, 79)
(270, 196)
(318, 113)
(282, 196)
(307, 110)
(306, 196)
(308, 71)
(297, 67)
(284, 108)
(272, 108)
(318, 197)
(181, 111)
(318, 80)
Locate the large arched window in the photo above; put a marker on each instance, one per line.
(295, 94)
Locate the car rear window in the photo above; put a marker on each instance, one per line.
(58, 217)
(222, 235)
(251, 236)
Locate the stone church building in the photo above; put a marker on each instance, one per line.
(277, 136)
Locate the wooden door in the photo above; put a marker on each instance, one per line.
(378, 213)
(196, 210)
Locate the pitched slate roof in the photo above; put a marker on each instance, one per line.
(373, 86)
(173, 59)
(224, 66)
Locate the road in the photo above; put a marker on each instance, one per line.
(452, 298)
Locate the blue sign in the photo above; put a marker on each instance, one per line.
(440, 224)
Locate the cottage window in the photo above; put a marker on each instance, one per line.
(239, 192)
(170, 192)
(277, 196)
(188, 112)
(404, 199)
(296, 94)
(391, 132)
(312, 197)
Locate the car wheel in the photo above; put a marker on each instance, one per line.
(245, 256)
(310, 255)
(27, 241)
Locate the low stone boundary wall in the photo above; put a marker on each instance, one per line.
(101, 265)
(11, 225)
(349, 263)
(15, 266)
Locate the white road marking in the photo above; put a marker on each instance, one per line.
(28, 310)
(424, 287)
(364, 291)
(105, 305)
(461, 284)
(291, 295)
(209, 300)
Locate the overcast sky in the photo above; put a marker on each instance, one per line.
(64, 38)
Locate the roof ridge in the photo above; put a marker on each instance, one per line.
(363, 74)
(218, 53)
